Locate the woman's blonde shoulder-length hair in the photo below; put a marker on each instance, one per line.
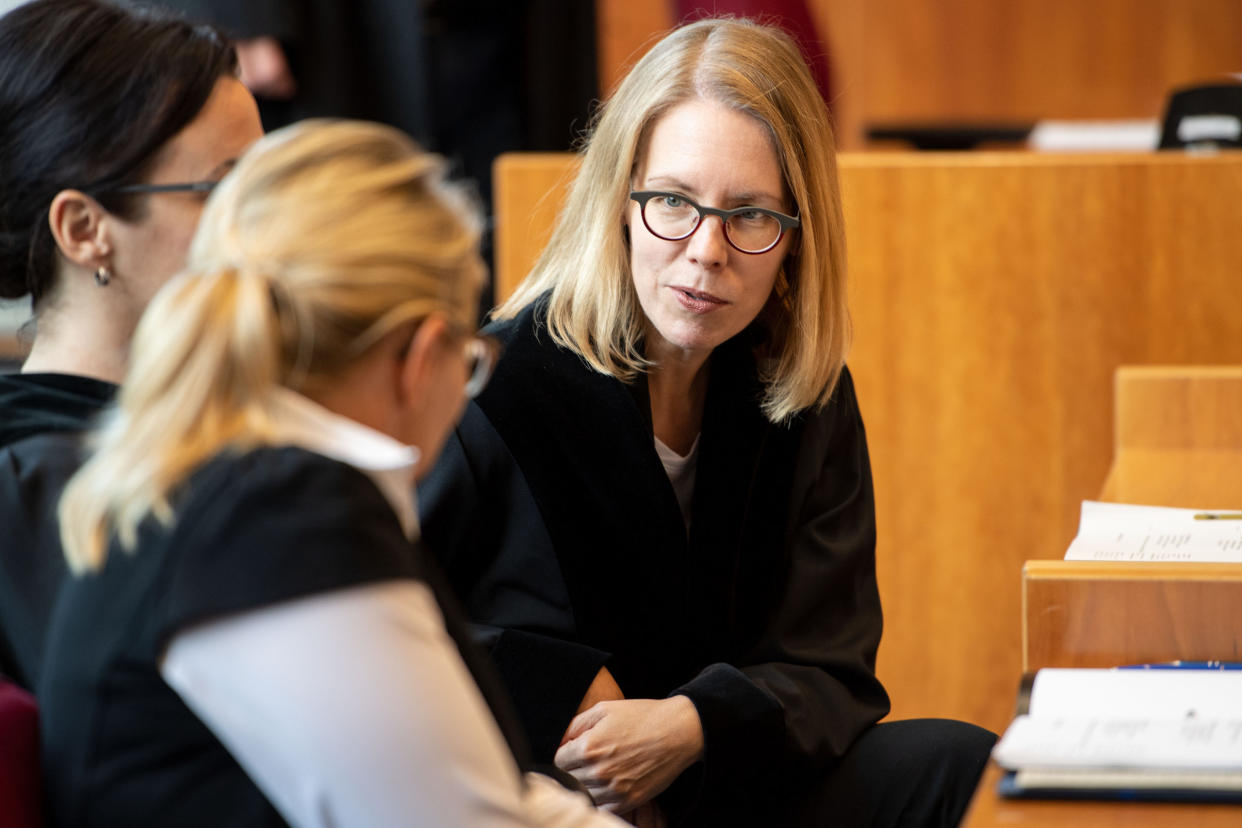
(327, 236)
(594, 309)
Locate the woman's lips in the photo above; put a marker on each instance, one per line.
(697, 301)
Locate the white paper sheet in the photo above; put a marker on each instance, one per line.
(1169, 694)
(1125, 532)
(1154, 719)
(1167, 744)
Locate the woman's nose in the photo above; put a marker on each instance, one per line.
(708, 246)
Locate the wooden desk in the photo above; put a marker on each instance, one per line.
(1101, 614)
(987, 809)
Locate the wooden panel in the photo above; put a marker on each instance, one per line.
(1020, 60)
(1185, 479)
(528, 190)
(1187, 407)
(1023, 60)
(993, 296)
(988, 810)
(1086, 614)
(1031, 59)
(1178, 437)
(627, 28)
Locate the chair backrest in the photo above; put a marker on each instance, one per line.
(1202, 116)
(21, 790)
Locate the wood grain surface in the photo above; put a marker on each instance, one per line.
(994, 295)
(1178, 436)
(983, 60)
(1087, 614)
(988, 810)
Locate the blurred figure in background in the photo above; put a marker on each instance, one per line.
(468, 79)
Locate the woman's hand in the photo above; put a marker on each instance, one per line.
(627, 752)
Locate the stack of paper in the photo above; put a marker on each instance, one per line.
(1140, 734)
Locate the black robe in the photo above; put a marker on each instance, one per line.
(42, 417)
(273, 524)
(558, 527)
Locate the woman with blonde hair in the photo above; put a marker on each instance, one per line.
(660, 512)
(253, 638)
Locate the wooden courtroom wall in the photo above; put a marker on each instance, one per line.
(987, 60)
(993, 295)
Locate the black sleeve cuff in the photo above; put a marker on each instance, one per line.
(743, 725)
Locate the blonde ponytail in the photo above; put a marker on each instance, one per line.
(204, 357)
(327, 236)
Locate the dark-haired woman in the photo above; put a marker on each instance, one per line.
(113, 127)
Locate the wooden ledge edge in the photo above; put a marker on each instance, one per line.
(1130, 571)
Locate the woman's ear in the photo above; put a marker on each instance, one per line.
(80, 226)
(417, 356)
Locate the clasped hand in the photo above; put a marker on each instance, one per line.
(626, 752)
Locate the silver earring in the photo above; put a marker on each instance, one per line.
(103, 276)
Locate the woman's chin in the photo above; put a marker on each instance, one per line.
(691, 338)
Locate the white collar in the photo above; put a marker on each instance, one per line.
(670, 457)
(302, 422)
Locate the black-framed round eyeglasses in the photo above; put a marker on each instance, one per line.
(674, 217)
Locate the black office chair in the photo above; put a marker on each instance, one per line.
(1203, 117)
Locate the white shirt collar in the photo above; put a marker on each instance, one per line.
(302, 422)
